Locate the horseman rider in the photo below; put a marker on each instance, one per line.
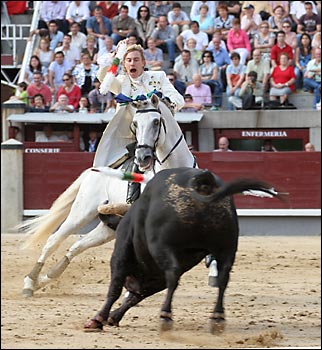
(134, 81)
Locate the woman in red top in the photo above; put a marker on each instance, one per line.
(282, 80)
(110, 8)
(71, 90)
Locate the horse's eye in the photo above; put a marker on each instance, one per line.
(156, 122)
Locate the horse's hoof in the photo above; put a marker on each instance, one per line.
(27, 293)
(93, 326)
(166, 324)
(112, 322)
(217, 326)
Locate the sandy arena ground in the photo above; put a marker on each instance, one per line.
(273, 300)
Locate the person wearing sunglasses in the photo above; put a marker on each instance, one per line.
(71, 90)
(144, 24)
(290, 36)
(264, 40)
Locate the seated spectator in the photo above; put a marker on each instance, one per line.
(224, 20)
(99, 26)
(235, 74)
(43, 52)
(238, 41)
(70, 89)
(133, 7)
(260, 7)
(277, 19)
(282, 80)
(234, 7)
(310, 22)
(165, 38)
(153, 56)
(191, 46)
(312, 77)
(285, 5)
(57, 69)
(298, 10)
(92, 141)
(201, 93)
(158, 9)
(122, 25)
(178, 19)
(250, 95)
(189, 105)
(206, 22)
(210, 75)
(91, 48)
(38, 87)
(193, 32)
(262, 68)
(264, 41)
(71, 53)
(316, 43)
(268, 146)
(172, 80)
(38, 104)
(303, 55)
(47, 135)
(133, 38)
(21, 93)
(250, 22)
(279, 48)
(144, 24)
(196, 6)
(184, 70)
(56, 36)
(309, 147)
(96, 99)
(83, 105)
(69, 137)
(290, 36)
(223, 145)
(78, 11)
(53, 10)
(110, 8)
(35, 66)
(62, 105)
(108, 47)
(85, 74)
(78, 38)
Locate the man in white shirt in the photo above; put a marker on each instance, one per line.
(78, 38)
(193, 32)
(47, 135)
(71, 53)
(223, 145)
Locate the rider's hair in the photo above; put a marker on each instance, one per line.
(131, 48)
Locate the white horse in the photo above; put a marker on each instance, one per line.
(159, 137)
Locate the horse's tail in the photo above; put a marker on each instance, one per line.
(39, 228)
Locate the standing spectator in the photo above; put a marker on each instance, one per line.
(298, 10)
(206, 22)
(35, 66)
(133, 7)
(235, 74)
(238, 41)
(312, 77)
(62, 105)
(196, 5)
(184, 70)
(78, 11)
(165, 38)
(261, 67)
(264, 41)
(110, 8)
(282, 80)
(71, 53)
(108, 47)
(85, 74)
(279, 48)
(38, 105)
(178, 19)
(46, 56)
(223, 145)
(104, 102)
(224, 20)
(310, 22)
(158, 9)
(38, 87)
(290, 36)
(144, 24)
(193, 32)
(71, 90)
(99, 26)
(122, 25)
(78, 38)
(57, 69)
(303, 55)
(201, 93)
(309, 147)
(277, 19)
(91, 48)
(153, 56)
(250, 22)
(210, 76)
(54, 10)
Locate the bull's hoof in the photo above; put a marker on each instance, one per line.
(217, 324)
(93, 326)
(27, 293)
(166, 324)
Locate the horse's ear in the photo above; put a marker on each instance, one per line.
(155, 100)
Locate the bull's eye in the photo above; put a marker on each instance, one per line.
(156, 122)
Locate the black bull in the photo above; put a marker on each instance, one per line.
(182, 215)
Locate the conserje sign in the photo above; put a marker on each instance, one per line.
(42, 150)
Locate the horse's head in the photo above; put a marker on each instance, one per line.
(147, 125)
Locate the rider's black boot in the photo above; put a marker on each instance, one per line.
(133, 188)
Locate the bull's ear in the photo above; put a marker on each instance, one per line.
(155, 100)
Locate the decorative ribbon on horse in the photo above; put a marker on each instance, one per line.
(124, 100)
(126, 176)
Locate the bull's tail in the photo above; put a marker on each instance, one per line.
(40, 228)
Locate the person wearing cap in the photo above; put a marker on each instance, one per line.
(260, 7)
(250, 21)
(117, 137)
